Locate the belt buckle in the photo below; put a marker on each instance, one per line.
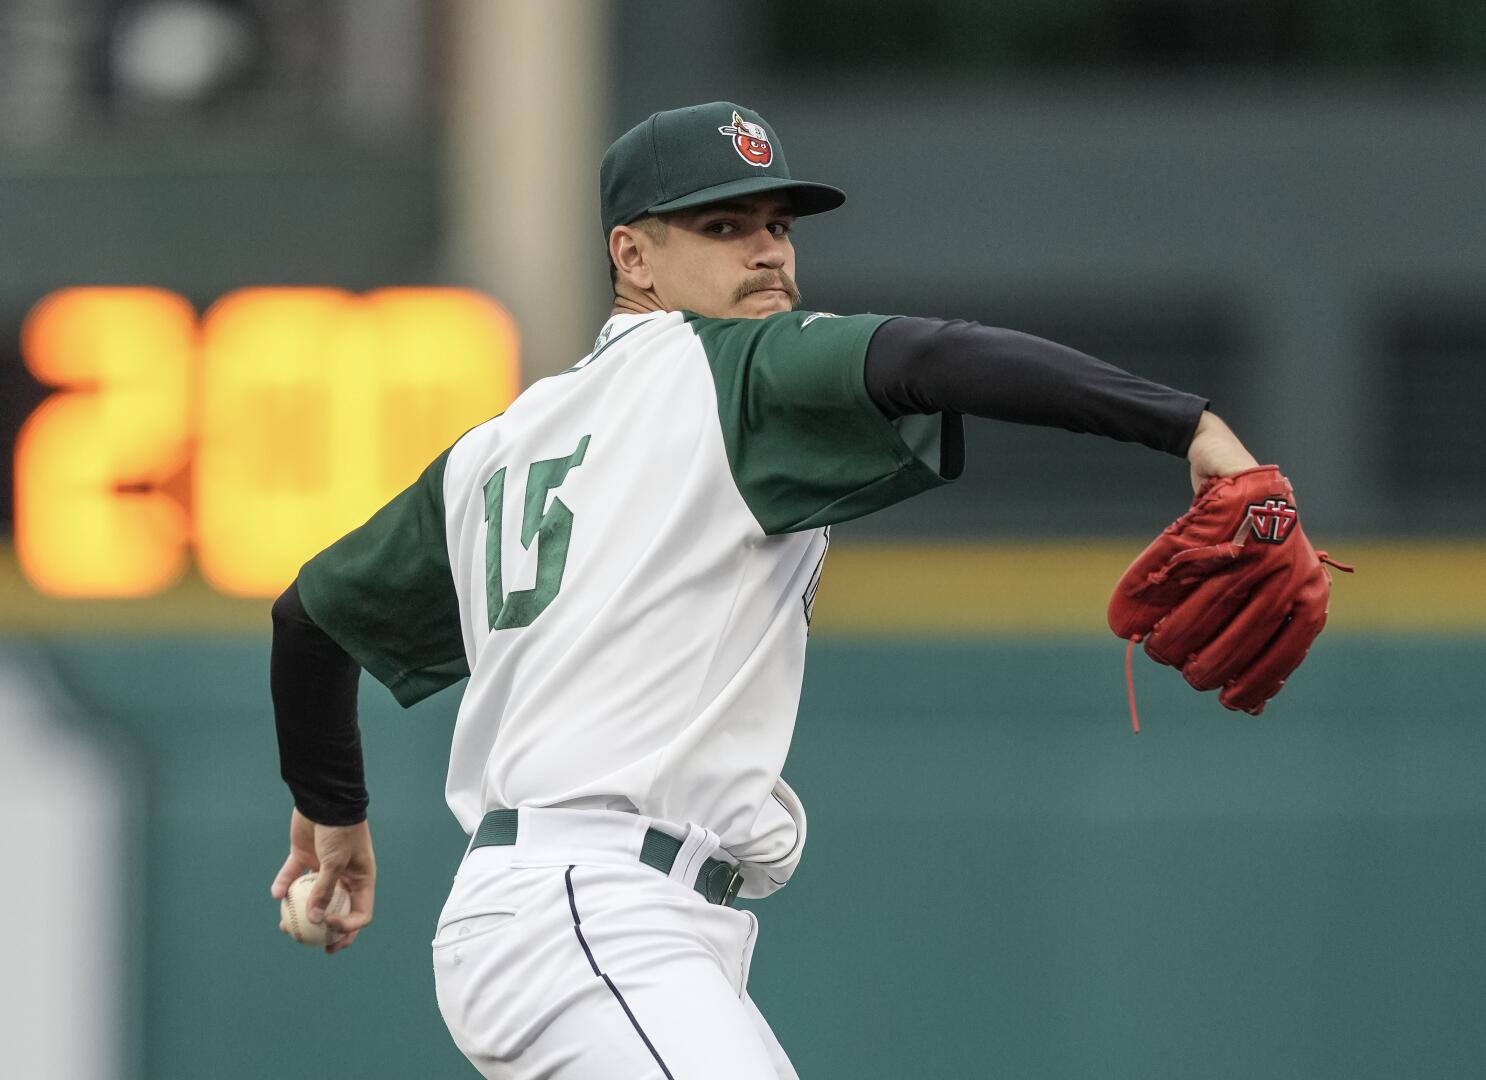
(707, 883)
(735, 883)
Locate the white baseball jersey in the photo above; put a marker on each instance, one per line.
(624, 563)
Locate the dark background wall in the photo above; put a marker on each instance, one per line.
(1275, 204)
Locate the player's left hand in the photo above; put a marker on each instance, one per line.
(1231, 593)
(1216, 451)
(337, 853)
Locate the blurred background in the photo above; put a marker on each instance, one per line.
(261, 260)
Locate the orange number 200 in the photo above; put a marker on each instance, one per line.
(281, 421)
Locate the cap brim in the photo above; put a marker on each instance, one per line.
(807, 197)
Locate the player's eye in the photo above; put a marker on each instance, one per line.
(780, 228)
(721, 228)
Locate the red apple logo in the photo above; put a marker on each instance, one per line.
(750, 140)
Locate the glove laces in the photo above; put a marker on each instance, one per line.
(1130, 684)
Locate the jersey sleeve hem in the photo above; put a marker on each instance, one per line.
(928, 451)
(385, 593)
(935, 442)
(411, 687)
(408, 685)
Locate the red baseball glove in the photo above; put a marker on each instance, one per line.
(1232, 592)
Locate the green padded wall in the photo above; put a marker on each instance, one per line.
(1001, 880)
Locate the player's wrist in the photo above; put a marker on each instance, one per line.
(331, 813)
(1216, 451)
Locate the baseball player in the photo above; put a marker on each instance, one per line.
(623, 566)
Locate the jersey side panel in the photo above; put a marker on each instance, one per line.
(385, 593)
(806, 444)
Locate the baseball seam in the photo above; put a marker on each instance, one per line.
(293, 908)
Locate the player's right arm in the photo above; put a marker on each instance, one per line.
(381, 598)
(313, 683)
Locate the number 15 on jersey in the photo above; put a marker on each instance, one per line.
(550, 526)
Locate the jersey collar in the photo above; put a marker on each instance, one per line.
(619, 324)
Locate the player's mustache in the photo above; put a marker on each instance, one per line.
(769, 279)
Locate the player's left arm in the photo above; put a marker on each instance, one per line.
(931, 365)
(923, 366)
(1216, 451)
(1229, 614)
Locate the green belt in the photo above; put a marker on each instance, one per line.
(717, 881)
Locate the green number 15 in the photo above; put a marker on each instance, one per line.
(550, 526)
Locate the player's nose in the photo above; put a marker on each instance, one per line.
(769, 252)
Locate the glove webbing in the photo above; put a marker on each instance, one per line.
(1135, 640)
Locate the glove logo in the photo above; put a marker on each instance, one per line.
(1272, 520)
(750, 140)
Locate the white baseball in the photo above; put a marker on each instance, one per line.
(294, 912)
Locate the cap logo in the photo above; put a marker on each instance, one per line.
(750, 140)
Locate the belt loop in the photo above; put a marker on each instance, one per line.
(697, 847)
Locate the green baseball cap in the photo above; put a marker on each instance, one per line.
(697, 155)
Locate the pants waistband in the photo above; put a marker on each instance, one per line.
(686, 859)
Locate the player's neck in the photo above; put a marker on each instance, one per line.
(630, 301)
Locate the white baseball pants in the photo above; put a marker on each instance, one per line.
(565, 958)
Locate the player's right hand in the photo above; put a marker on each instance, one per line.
(337, 853)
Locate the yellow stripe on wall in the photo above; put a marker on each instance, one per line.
(191, 606)
(922, 590)
(1061, 587)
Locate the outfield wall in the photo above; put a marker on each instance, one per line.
(1000, 879)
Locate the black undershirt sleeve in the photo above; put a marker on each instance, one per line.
(924, 366)
(313, 682)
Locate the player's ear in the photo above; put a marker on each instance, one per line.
(627, 252)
